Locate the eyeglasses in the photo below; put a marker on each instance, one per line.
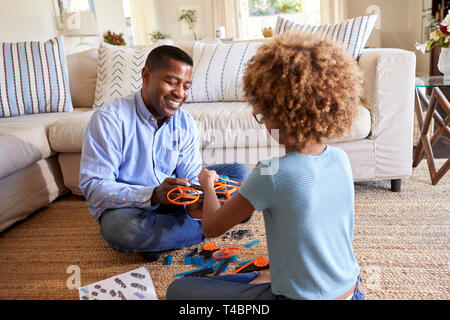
(259, 118)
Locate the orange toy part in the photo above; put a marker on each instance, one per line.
(260, 260)
(226, 253)
(210, 247)
(188, 193)
(226, 192)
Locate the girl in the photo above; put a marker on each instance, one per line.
(309, 90)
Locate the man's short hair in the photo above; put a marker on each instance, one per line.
(160, 56)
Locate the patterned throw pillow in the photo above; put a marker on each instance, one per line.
(352, 34)
(33, 78)
(119, 71)
(218, 71)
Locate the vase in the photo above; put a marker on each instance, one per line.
(444, 63)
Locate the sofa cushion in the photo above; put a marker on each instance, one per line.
(119, 70)
(24, 139)
(232, 125)
(67, 135)
(218, 71)
(29, 189)
(221, 125)
(33, 78)
(352, 34)
(82, 68)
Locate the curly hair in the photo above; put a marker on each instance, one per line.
(308, 87)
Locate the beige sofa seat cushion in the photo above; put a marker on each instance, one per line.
(29, 189)
(24, 139)
(67, 135)
(232, 125)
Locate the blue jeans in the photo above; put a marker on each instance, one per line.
(231, 287)
(168, 227)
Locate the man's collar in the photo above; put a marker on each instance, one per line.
(143, 110)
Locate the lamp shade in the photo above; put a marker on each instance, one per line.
(82, 23)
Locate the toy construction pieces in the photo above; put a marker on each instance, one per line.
(214, 261)
(188, 195)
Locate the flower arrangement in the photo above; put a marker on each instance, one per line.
(114, 38)
(439, 36)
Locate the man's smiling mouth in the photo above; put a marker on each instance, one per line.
(175, 104)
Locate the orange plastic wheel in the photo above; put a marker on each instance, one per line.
(210, 247)
(225, 191)
(261, 262)
(226, 253)
(183, 196)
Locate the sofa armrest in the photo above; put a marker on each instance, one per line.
(389, 81)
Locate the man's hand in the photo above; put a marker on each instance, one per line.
(159, 195)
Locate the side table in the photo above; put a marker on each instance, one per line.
(422, 103)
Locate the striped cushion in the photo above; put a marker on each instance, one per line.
(33, 78)
(119, 70)
(352, 34)
(218, 70)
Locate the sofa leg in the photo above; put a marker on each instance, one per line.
(396, 185)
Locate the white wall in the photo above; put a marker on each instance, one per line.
(167, 16)
(400, 26)
(26, 20)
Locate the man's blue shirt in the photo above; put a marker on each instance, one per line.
(125, 155)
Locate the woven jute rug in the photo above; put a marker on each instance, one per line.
(401, 242)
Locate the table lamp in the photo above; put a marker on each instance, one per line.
(80, 24)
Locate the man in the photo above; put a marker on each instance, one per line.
(138, 148)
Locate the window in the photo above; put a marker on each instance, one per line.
(76, 5)
(257, 14)
(127, 14)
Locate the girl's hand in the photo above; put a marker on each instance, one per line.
(207, 178)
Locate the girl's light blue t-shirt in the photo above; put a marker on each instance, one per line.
(308, 206)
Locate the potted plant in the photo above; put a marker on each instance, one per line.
(190, 17)
(158, 35)
(439, 38)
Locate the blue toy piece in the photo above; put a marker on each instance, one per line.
(224, 179)
(252, 243)
(187, 259)
(168, 260)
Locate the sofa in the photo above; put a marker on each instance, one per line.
(41, 152)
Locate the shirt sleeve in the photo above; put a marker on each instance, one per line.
(259, 188)
(190, 160)
(100, 162)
